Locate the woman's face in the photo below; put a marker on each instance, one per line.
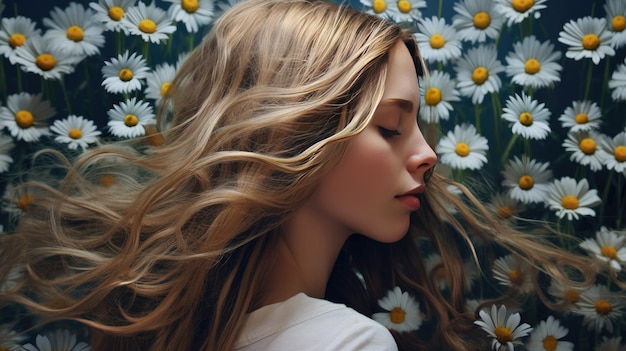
(373, 188)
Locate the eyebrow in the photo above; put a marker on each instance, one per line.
(404, 104)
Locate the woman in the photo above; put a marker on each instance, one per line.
(292, 172)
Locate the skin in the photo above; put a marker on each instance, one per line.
(362, 194)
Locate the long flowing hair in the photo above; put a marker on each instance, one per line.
(172, 254)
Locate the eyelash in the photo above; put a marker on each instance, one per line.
(388, 133)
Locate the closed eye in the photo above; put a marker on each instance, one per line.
(388, 133)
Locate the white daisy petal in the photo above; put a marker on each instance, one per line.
(403, 311)
(587, 37)
(463, 148)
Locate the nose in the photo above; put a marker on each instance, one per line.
(422, 157)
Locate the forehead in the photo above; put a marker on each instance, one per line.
(401, 82)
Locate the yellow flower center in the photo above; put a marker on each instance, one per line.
(620, 153)
(441, 274)
(569, 202)
(191, 6)
(131, 120)
(588, 146)
(126, 74)
(503, 334)
(16, 39)
(532, 66)
(591, 42)
(526, 182)
(603, 307)
(404, 6)
(462, 149)
(609, 252)
(504, 212)
(75, 133)
(45, 62)
(116, 13)
(482, 20)
(397, 315)
(526, 119)
(75, 33)
(24, 202)
(515, 276)
(165, 87)
(147, 26)
(379, 6)
(550, 343)
(437, 41)
(581, 118)
(522, 5)
(618, 23)
(571, 296)
(24, 119)
(107, 180)
(480, 75)
(432, 96)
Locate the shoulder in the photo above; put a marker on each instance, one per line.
(305, 323)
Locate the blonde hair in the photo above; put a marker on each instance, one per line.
(172, 255)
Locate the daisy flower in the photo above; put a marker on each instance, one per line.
(587, 37)
(6, 145)
(15, 32)
(612, 152)
(477, 20)
(403, 312)
(477, 73)
(616, 19)
(581, 116)
(158, 81)
(150, 22)
(437, 40)
(546, 337)
(60, 339)
(600, 307)
(611, 344)
(584, 148)
(504, 207)
(17, 199)
(41, 57)
(513, 272)
(15, 273)
(505, 330)
(437, 91)
(571, 198)
(10, 340)
(463, 148)
(193, 13)
(128, 119)
(407, 10)
(528, 180)
(111, 12)
(533, 64)
(26, 115)
(617, 83)
(565, 295)
(75, 131)
(608, 247)
(527, 117)
(381, 8)
(517, 10)
(73, 31)
(123, 73)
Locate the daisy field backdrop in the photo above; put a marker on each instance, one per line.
(528, 98)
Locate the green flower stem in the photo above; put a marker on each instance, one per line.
(146, 51)
(190, 41)
(588, 86)
(87, 79)
(495, 104)
(440, 9)
(505, 154)
(621, 204)
(3, 84)
(477, 112)
(18, 77)
(119, 42)
(605, 194)
(605, 82)
(66, 97)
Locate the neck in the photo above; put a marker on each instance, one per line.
(304, 258)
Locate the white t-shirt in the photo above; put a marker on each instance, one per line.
(305, 323)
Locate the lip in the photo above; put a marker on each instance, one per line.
(411, 199)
